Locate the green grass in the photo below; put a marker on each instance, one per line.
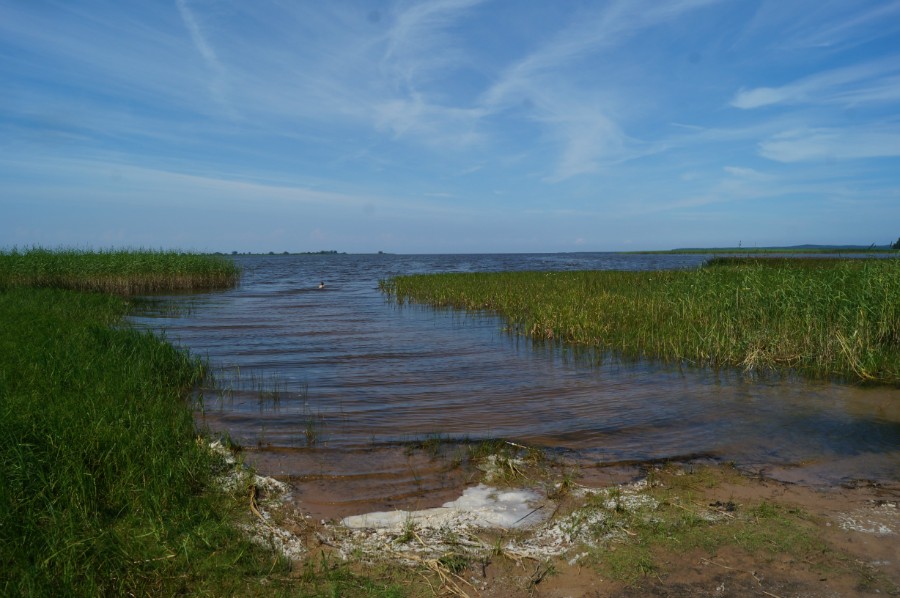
(328, 578)
(120, 272)
(105, 489)
(834, 319)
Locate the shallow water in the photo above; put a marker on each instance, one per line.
(347, 377)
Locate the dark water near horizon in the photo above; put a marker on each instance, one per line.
(358, 374)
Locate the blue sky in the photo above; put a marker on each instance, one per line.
(448, 125)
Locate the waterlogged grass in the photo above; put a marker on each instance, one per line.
(825, 318)
(116, 271)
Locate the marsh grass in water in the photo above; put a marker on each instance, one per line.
(121, 272)
(270, 390)
(825, 318)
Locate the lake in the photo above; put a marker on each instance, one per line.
(328, 387)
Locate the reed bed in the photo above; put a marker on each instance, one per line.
(121, 272)
(836, 319)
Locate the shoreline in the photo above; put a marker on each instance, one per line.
(740, 530)
(440, 473)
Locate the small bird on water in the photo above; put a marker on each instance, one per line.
(322, 285)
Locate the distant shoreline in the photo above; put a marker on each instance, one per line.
(769, 250)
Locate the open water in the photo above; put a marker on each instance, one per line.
(329, 386)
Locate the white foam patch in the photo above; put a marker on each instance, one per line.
(880, 520)
(480, 506)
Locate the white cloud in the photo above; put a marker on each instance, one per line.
(432, 124)
(416, 45)
(853, 28)
(828, 86)
(582, 123)
(745, 173)
(807, 145)
(197, 35)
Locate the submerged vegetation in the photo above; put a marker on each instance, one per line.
(119, 272)
(826, 318)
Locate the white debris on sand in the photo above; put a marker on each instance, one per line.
(453, 527)
(881, 519)
(235, 475)
(525, 513)
(217, 448)
(267, 496)
(481, 506)
(484, 519)
(279, 539)
(584, 526)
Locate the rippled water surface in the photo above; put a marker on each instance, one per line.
(325, 385)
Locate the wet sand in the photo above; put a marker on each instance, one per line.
(857, 525)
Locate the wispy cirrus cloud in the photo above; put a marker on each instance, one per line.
(852, 28)
(854, 84)
(582, 121)
(849, 143)
(587, 34)
(386, 70)
(416, 43)
(217, 85)
(625, 107)
(417, 53)
(197, 35)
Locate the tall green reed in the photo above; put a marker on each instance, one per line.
(836, 319)
(122, 272)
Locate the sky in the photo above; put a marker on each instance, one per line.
(448, 126)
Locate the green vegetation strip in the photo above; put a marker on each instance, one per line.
(758, 251)
(119, 272)
(833, 318)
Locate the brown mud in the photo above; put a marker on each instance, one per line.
(680, 530)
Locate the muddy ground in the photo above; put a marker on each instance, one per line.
(679, 530)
